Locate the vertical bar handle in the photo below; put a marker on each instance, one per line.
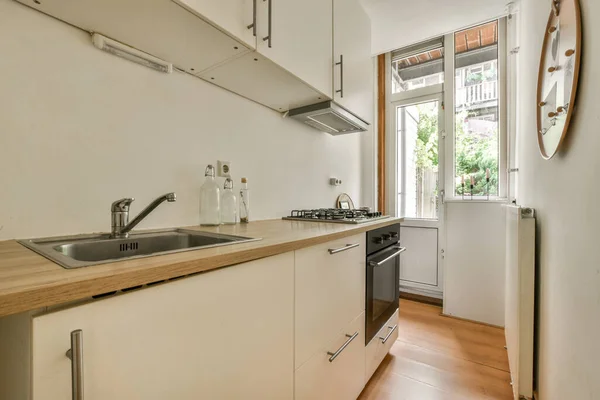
(270, 35)
(341, 64)
(253, 24)
(75, 354)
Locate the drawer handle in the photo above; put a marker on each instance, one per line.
(75, 353)
(380, 263)
(337, 353)
(385, 339)
(346, 247)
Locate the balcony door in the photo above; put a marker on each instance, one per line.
(418, 126)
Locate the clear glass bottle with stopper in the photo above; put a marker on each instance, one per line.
(210, 199)
(228, 204)
(244, 202)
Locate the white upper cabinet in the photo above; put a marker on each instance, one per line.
(236, 17)
(353, 70)
(298, 36)
(158, 27)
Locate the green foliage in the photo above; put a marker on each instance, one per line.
(426, 149)
(475, 152)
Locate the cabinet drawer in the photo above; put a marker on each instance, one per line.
(377, 349)
(330, 292)
(340, 379)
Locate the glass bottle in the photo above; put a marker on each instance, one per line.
(210, 199)
(244, 202)
(228, 204)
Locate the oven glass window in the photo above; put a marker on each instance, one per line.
(384, 287)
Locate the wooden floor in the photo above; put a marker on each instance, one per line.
(441, 358)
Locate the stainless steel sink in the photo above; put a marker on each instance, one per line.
(86, 250)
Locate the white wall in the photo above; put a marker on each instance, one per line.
(399, 23)
(565, 193)
(474, 261)
(80, 128)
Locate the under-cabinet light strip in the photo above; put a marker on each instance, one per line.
(131, 54)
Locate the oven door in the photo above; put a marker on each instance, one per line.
(383, 288)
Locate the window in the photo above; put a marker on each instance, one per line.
(418, 66)
(476, 134)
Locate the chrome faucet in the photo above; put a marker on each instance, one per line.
(121, 226)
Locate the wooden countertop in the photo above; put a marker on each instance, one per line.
(29, 281)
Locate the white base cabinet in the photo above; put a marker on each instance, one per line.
(380, 345)
(226, 334)
(330, 292)
(343, 377)
(284, 327)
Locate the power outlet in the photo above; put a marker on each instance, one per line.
(224, 169)
(335, 181)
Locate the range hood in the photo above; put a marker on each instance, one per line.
(329, 117)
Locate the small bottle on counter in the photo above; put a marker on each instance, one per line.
(244, 202)
(228, 204)
(210, 199)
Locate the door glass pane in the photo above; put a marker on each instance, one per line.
(476, 102)
(418, 160)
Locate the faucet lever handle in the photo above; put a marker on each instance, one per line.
(122, 205)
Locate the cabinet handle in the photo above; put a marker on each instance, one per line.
(75, 353)
(337, 353)
(385, 339)
(380, 263)
(269, 37)
(341, 64)
(346, 247)
(253, 24)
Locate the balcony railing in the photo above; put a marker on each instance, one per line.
(479, 93)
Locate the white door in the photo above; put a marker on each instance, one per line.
(298, 36)
(236, 17)
(225, 334)
(353, 68)
(419, 126)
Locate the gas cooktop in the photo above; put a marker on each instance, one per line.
(337, 215)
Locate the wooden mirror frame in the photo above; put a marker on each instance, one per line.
(552, 117)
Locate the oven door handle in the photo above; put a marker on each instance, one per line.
(395, 254)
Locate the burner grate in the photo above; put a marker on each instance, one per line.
(337, 214)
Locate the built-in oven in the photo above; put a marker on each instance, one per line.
(383, 277)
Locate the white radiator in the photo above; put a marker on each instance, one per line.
(519, 298)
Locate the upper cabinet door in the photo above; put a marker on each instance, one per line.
(236, 17)
(353, 69)
(298, 36)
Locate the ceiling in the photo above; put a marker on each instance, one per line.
(399, 23)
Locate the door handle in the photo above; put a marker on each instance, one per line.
(396, 253)
(385, 339)
(253, 24)
(270, 35)
(337, 353)
(75, 353)
(341, 64)
(346, 247)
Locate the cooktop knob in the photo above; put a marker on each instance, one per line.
(378, 240)
(386, 236)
